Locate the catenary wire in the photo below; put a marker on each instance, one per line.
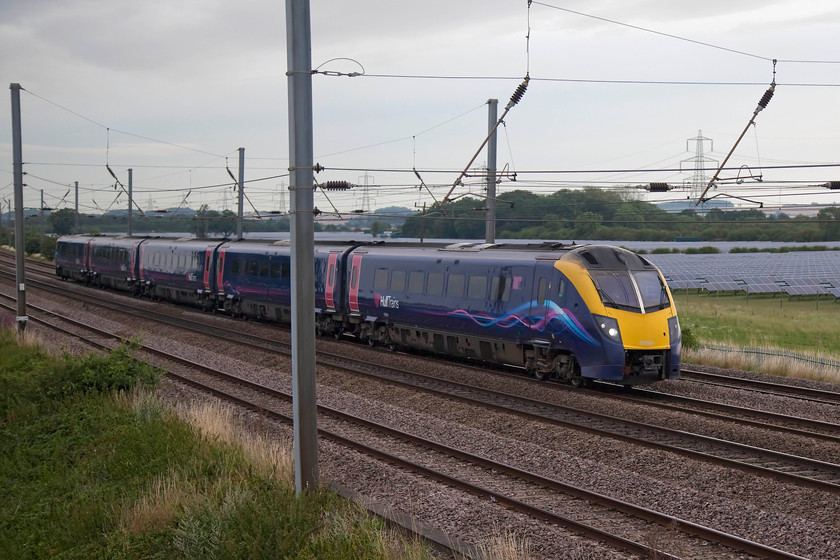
(680, 38)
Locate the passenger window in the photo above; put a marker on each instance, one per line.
(275, 270)
(435, 285)
(478, 287)
(398, 281)
(415, 282)
(255, 269)
(263, 269)
(234, 267)
(380, 279)
(455, 286)
(285, 271)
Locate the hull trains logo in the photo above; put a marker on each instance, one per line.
(386, 301)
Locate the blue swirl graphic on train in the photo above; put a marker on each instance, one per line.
(555, 320)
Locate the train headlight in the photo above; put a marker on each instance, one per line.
(609, 327)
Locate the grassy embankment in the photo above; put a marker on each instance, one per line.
(91, 466)
(763, 324)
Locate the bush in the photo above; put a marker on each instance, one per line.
(55, 378)
(47, 249)
(705, 250)
(115, 371)
(689, 340)
(32, 242)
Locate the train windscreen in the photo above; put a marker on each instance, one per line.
(641, 290)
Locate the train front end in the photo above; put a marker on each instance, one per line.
(634, 326)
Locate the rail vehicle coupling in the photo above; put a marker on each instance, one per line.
(644, 367)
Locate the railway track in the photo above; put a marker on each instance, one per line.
(779, 389)
(810, 472)
(502, 403)
(619, 524)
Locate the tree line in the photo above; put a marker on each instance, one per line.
(586, 214)
(592, 213)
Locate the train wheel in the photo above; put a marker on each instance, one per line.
(579, 381)
(542, 375)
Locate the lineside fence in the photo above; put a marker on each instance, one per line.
(763, 354)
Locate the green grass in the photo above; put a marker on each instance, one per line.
(89, 472)
(797, 324)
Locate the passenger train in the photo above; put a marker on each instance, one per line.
(574, 313)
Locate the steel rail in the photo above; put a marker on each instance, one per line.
(342, 362)
(684, 526)
(767, 387)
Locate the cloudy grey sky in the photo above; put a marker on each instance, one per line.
(173, 89)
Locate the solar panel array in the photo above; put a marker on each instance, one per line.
(794, 274)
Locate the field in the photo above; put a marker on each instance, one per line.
(776, 325)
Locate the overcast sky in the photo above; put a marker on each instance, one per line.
(618, 87)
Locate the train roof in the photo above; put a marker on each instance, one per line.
(190, 242)
(116, 240)
(603, 257)
(264, 246)
(472, 249)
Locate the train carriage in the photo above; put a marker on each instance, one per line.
(254, 280)
(448, 299)
(72, 257)
(113, 261)
(557, 311)
(179, 270)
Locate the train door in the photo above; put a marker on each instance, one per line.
(220, 271)
(141, 269)
(261, 278)
(355, 272)
(540, 295)
(208, 268)
(330, 286)
(133, 262)
(86, 257)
